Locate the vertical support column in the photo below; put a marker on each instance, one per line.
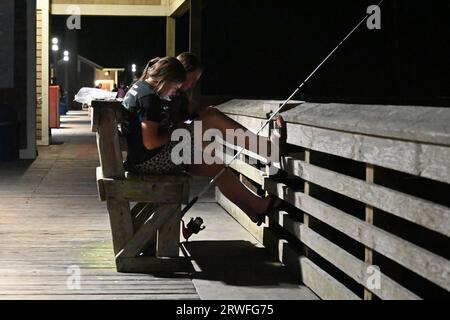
(44, 6)
(195, 28)
(195, 34)
(71, 75)
(368, 253)
(306, 191)
(170, 36)
(30, 151)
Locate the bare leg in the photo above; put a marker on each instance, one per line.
(233, 189)
(214, 119)
(228, 182)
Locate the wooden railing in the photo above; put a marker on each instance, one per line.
(367, 197)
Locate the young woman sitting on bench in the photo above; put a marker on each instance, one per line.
(152, 123)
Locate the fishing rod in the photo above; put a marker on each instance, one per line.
(194, 226)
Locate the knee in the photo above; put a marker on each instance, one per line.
(211, 113)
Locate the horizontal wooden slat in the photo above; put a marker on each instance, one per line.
(349, 264)
(423, 160)
(322, 283)
(113, 10)
(118, 2)
(250, 123)
(151, 265)
(424, 213)
(240, 216)
(413, 123)
(244, 151)
(316, 279)
(244, 168)
(144, 191)
(319, 281)
(429, 265)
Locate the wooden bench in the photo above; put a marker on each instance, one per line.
(146, 235)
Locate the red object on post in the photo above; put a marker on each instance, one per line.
(53, 111)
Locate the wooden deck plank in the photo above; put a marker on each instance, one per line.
(51, 219)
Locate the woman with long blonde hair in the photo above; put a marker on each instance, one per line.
(152, 124)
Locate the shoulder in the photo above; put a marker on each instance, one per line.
(141, 88)
(140, 95)
(144, 92)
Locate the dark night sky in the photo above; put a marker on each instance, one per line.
(264, 49)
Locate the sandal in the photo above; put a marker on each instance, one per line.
(274, 205)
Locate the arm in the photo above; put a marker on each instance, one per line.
(151, 138)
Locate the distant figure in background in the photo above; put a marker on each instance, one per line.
(115, 89)
(121, 91)
(99, 86)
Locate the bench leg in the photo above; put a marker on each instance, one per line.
(141, 212)
(168, 239)
(121, 223)
(164, 226)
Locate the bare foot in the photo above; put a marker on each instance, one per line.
(279, 136)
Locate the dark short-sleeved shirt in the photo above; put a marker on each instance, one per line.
(144, 104)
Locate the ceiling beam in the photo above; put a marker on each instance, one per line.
(110, 10)
(178, 7)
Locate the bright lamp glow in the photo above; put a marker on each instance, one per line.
(133, 67)
(54, 40)
(66, 55)
(55, 47)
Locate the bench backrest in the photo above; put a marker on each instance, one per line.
(105, 120)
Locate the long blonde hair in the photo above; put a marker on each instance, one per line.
(163, 70)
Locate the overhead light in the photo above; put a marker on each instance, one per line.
(55, 47)
(133, 67)
(106, 73)
(66, 55)
(54, 40)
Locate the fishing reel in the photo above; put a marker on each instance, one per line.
(194, 226)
